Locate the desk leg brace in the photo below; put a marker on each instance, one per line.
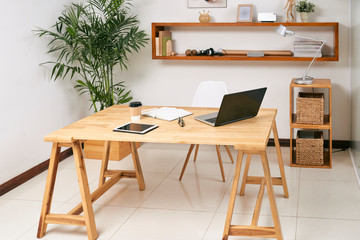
(253, 230)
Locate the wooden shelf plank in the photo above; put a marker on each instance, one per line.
(326, 125)
(250, 24)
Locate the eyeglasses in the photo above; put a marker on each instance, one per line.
(181, 122)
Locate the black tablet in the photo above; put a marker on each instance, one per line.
(139, 128)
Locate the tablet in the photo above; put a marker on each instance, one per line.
(139, 128)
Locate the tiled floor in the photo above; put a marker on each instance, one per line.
(323, 204)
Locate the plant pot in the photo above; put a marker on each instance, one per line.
(304, 16)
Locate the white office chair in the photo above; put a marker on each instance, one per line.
(208, 94)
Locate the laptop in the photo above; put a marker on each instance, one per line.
(235, 107)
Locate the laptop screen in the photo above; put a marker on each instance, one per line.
(239, 106)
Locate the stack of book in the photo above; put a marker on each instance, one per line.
(307, 48)
(163, 44)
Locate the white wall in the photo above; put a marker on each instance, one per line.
(33, 105)
(174, 82)
(355, 77)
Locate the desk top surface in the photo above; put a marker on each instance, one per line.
(251, 134)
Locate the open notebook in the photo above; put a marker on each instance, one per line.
(166, 113)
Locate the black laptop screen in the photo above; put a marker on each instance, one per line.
(239, 106)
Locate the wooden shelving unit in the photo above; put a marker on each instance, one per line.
(156, 27)
(327, 126)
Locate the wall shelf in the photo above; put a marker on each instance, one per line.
(156, 27)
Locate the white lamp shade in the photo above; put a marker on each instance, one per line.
(281, 30)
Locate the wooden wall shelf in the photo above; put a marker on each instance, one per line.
(156, 27)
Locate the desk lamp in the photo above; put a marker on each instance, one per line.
(305, 79)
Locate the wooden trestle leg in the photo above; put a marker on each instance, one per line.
(49, 188)
(276, 180)
(84, 191)
(137, 166)
(253, 230)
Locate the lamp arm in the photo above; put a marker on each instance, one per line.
(314, 59)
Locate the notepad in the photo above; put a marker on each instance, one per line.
(166, 113)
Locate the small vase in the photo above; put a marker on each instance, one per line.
(304, 16)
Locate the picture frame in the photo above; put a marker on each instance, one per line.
(207, 3)
(244, 13)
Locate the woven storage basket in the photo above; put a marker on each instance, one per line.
(309, 148)
(310, 108)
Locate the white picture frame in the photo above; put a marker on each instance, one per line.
(244, 13)
(207, 4)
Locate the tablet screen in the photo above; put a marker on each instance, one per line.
(135, 128)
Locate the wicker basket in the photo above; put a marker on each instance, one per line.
(310, 148)
(310, 108)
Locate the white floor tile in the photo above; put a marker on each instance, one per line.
(342, 169)
(126, 192)
(66, 186)
(18, 216)
(216, 228)
(327, 229)
(164, 225)
(329, 199)
(197, 193)
(108, 220)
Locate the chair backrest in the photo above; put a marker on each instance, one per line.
(209, 94)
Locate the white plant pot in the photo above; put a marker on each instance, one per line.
(304, 16)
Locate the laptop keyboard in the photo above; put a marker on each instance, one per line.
(211, 120)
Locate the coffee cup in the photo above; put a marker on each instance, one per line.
(135, 110)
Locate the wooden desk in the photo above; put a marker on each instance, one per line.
(249, 137)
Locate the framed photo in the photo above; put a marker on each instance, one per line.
(244, 13)
(207, 3)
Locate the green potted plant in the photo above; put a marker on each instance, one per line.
(90, 40)
(304, 8)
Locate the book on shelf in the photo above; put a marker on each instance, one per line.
(157, 47)
(306, 54)
(164, 36)
(307, 43)
(307, 48)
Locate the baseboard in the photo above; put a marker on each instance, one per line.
(29, 174)
(341, 144)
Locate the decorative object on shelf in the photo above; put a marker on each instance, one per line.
(305, 79)
(207, 3)
(244, 13)
(266, 17)
(304, 8)
(310, 108)
(257, 52)
(290, 11)
(309, 148)
(114, 33)
(204, 17)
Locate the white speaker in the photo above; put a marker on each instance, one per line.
(266, 17)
